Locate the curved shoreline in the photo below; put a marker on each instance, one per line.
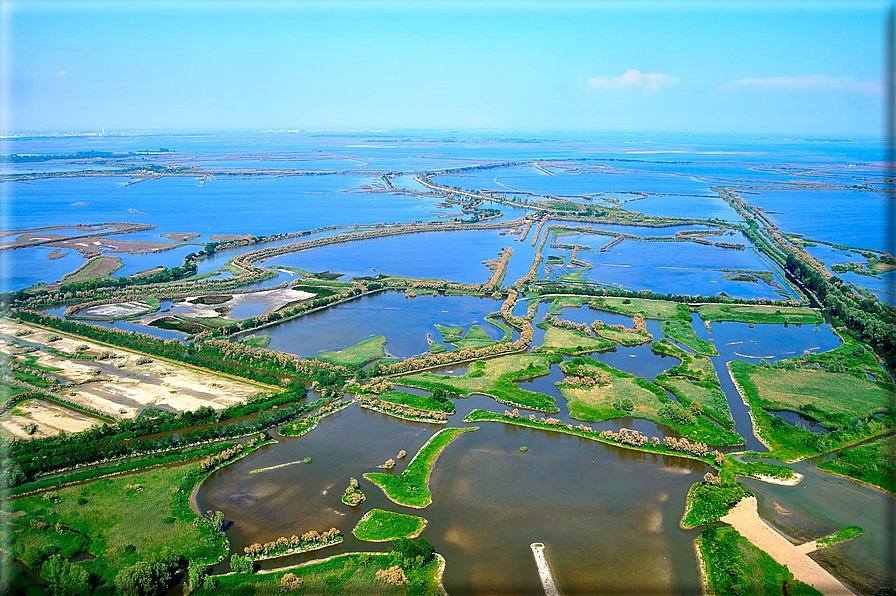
(743, 398)
(865, 482)
(701, 570)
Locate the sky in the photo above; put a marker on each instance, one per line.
(799, 68)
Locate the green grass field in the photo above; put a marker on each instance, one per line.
(789, 443)
(571, 342)
(378, 525)
(352, 573)
(112, 518)
(596, 403)
(651, 309)
(834, 399)
(450, 334)
(735, 566)
(562, 302)
(759, 314)
(625, 337)
(357, 355)
(475, 337)
(497, 378)
(411, 487)
(694, 380)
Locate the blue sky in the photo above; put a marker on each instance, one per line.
(806, 69)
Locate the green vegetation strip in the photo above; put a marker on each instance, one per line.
(411, 487)
(734, 566)
(650, 309)
(437, 401)
(486, 416)
(117, 469)
(571, 342)
(351, 573)
(378, 525)
(850, 533)
(759, 314)
(694, 380)
(124, 519)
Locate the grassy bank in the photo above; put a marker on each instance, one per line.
(871, 463)
(694, 380)
(570, 342)
(789, 443)
(123, 520)
(850, 533)
(683, 332)
(758, 314)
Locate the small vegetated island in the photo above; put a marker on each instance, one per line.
(378, 525)
(122, 395)
(411, 487)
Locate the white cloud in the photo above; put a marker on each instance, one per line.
(815, 82)
(62, 73)
(633, 79)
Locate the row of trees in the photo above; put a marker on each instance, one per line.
(402, 410)
(307, 541)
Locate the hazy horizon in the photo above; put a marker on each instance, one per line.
(801, 70)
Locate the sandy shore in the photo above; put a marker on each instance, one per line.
(797, 478)
(744, 517)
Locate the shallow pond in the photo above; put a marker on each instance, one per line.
(490, 503)
(404, 321)
(861, 218)
(453, 256)
(678, 268)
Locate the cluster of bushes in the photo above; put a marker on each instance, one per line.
(411, 554)
(402, 410)
(213, 461)
(679, 414)
(353, 496)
